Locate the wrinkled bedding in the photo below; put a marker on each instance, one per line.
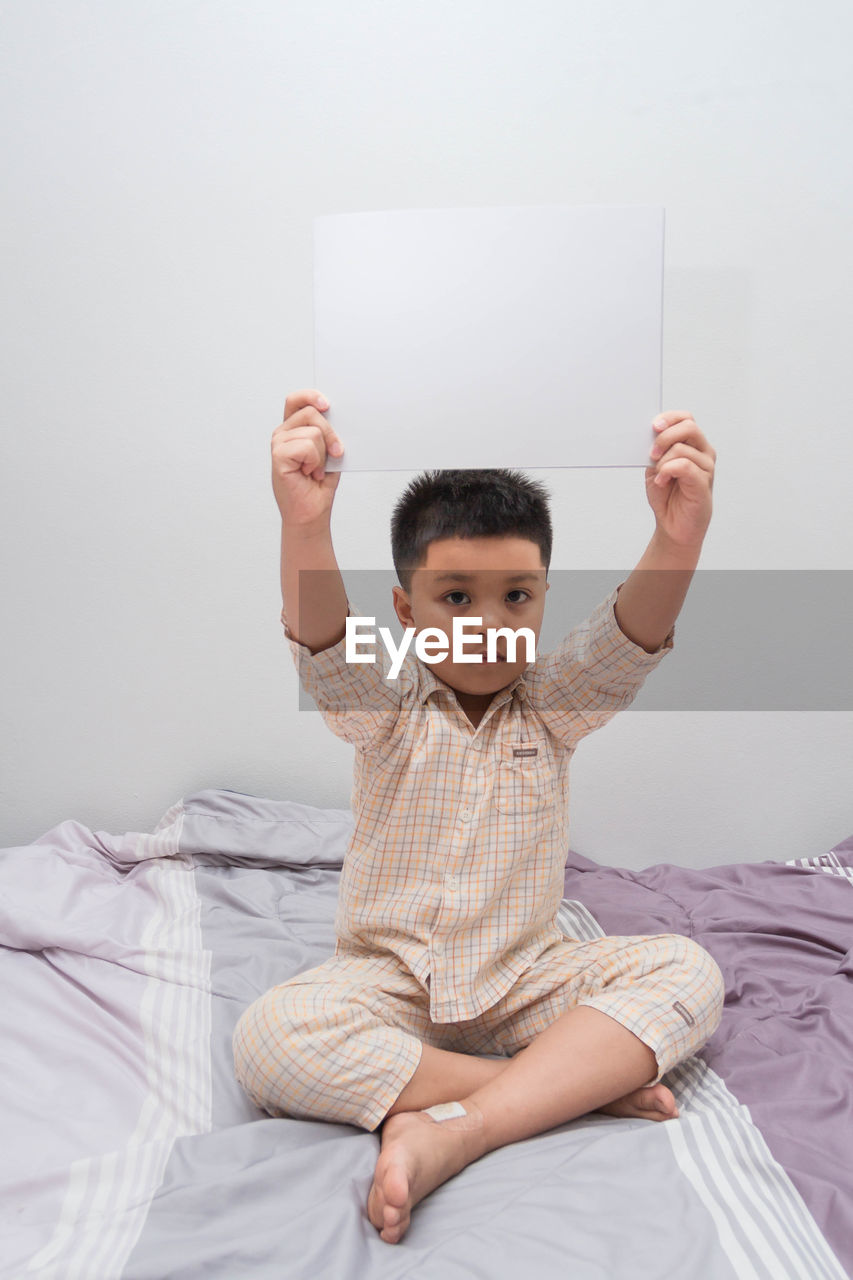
(130, 1152)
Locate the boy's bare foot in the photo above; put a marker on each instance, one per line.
(418, 1154)
(652, 1102)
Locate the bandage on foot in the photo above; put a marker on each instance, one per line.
(455, 1116)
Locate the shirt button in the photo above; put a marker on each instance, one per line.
(452, 883)
(438, 948)
(466, 815)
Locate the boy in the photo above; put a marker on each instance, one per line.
(448, 951)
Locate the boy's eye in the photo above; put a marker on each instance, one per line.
(518, 596)
(457, 597)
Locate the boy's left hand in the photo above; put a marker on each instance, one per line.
(680, 479)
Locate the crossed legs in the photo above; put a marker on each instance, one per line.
(585, 1061)
(349, 1042)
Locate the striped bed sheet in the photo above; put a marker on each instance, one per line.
(132, 1154)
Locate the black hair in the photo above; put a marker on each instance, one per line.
(467, 504)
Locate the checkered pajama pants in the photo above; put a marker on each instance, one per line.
(341, 1041)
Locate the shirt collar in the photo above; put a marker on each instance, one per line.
(430, 684)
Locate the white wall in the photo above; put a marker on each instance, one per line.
(163, 162)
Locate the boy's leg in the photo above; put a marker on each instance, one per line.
(583, 1061)
(335, 1044)
(443, 1076)
(668, 987)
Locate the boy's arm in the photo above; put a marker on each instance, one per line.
(678, 487)
(355, 699)
(600, 666)
(304, 491)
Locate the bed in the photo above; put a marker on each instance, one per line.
(130, 1152)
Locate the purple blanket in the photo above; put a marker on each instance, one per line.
(782, 934)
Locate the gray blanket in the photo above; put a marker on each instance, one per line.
(131, 1153)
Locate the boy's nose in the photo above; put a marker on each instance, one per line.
(493, 620)
(496, 617)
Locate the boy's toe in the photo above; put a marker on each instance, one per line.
(375, 1208)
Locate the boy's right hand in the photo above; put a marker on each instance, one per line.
(303, 489)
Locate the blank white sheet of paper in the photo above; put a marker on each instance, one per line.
(522, 336)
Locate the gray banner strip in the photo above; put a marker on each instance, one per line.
(746, 640)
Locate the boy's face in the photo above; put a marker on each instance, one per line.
(501, 580)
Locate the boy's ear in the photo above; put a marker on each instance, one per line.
(403, 606)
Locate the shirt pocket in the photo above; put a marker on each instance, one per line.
(524, 783)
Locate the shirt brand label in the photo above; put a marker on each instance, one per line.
(685, 1013)
(522, 752)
